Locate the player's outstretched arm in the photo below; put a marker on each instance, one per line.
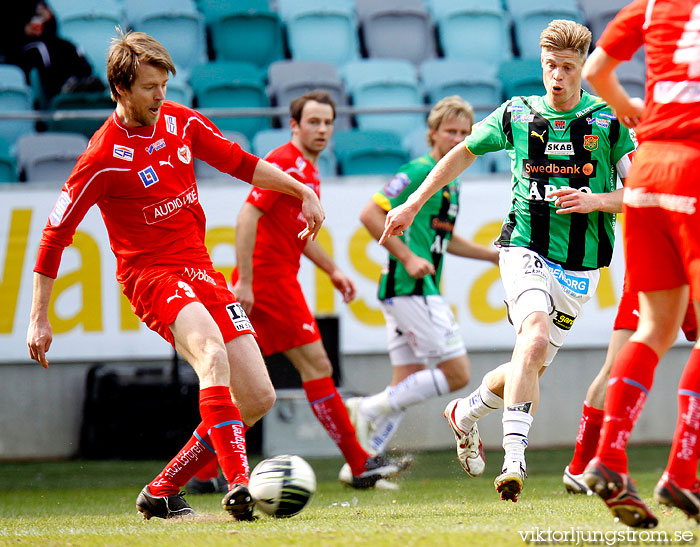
(342, 282)
(373, 217)
(571, 200)
(599, 70)
(460, 246)
(269, 177)
(446, 170)
(39, 334)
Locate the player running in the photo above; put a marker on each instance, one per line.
(421, 328)
(662, 227)
(566, 149)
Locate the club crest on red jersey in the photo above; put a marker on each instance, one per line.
(184, 154)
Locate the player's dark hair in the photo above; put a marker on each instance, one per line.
(127, 52)
(296, 107)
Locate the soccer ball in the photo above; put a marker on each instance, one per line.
(282, 485)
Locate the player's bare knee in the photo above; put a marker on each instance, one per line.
(456, 373)
(212, 364)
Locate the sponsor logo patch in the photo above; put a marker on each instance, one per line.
(168, 207)
(148, 176)
(607, 115)
(59, 209)
(563, 321)
(559, 124)
(562, 148)
(184, 154)
(514, 108)
(123, 152)
(578, 285)
(396, 185)
(238, 317)
(160, 143)
(170, 124)
(590, 142)
(525, 118)
(558, 168)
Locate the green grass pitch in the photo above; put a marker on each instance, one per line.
(92, 503)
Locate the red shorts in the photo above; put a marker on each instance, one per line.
(158, 294)
(628, 315)
(280, 315)
(662, 224)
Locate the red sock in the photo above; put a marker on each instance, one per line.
(196, 454)
(631, 378)
(209, 471)
(329, 409)
(226, 431)
(587, 438)
(683, 460)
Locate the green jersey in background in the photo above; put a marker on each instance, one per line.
(429, 234)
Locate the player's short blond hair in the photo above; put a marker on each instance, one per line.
(127, 52)
(563, 34)
(449, 107)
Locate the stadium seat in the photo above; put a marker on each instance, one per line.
(395, 29)
(369, 152)
(203, 170)
(318, 30)
(475, 81)
(15, 96)
(632, 76)
(384, 83)
(598, 13)
(8, 169)
(176, 24)
(501, 161)
(231, 85)
(532, 17)
(288, 79)
(414, 142)
(49, 156)
(99, 101)
(179, 89)
(245, 30)
(472, 29)
(521, 77)
(90, 26)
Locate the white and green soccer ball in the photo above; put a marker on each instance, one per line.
(282, 485)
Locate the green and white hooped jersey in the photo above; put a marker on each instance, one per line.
(582, 148)
(428, 235)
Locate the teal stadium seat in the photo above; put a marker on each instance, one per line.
(522, 77)
(231, 85)
(289, 79)
(415, 142)
(532, 17)
(8, 169)
(99, 101)
(15, 96)
(318, 30)
(384, 83)
(90, 26)
(632, 76)
(49, 156)
(472, 29)
(475, 81)
(396, 29)
(244, 30)
(598, 13)
(176, 24)
(179, 89)
(369, 152)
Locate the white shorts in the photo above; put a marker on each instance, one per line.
(558, 292)
(421, 329)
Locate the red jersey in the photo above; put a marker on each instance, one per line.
(277, 247)
(670, 31)
(142, 179)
